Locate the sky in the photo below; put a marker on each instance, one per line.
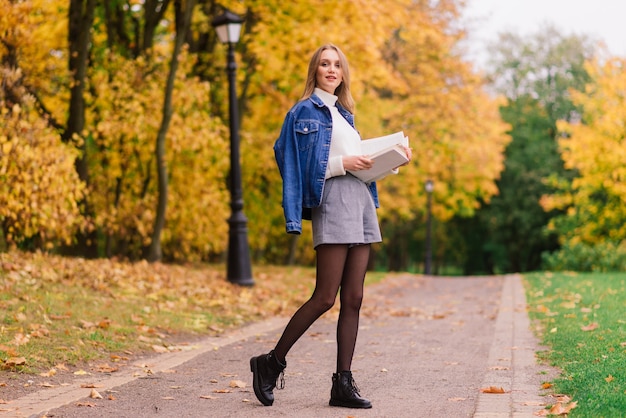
(604, 20)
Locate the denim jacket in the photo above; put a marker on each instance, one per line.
(301, 153)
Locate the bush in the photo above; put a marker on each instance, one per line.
(601, 257)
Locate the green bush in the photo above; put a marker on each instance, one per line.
(601, 257)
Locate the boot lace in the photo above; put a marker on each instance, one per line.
(353, 387)
(280, 380)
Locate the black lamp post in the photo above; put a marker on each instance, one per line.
(239, 271)
(429, 253)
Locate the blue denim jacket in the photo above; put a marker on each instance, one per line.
(301, 153)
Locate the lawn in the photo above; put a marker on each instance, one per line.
(582, 319)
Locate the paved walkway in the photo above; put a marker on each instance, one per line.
(426, 348)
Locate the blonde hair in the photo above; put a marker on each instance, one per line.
(344, 97)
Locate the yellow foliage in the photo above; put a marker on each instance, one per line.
(405, 76)
(595, 147)
(39, 187)
(126, 117)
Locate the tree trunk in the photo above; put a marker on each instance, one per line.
(184, 11)
(81, 15)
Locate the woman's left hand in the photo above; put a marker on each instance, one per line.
(409, 155)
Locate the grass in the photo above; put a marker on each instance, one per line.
(58, 312)
(582, 318)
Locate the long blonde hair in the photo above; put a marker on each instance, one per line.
(344, 97)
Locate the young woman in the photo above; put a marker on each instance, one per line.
(317, 144)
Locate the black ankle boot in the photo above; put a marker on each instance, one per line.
(345, 392)
(265, 372)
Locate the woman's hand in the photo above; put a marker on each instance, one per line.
(357, 162)
(409, 155)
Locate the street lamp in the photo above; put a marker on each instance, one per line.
(239, 271)
(429, 186)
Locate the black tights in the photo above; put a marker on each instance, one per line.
(338, 267)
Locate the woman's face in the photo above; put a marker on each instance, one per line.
(329, 72)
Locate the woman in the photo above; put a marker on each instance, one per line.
(317, 145)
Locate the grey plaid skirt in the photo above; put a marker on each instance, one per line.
(347, 214)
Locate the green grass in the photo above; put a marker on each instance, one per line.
(582, 319)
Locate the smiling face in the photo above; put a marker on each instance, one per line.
(329, 74)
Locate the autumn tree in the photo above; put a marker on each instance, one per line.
(592, 205)
(535, 74)
(39, 187)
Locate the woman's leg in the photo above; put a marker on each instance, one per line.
(330, 268)
(351, 296)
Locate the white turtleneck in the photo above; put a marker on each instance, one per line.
(345, 140)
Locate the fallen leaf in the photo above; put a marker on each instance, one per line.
(237, 384)
(222, 391)
(493, 389)
(49, 373)
(90, 386)
(207, 397)
(609, 379)
(562, 409)
(59, 317)
(546, 385)
(590, 327)
(11, 352)
(562, 398)
(94, 394)
(105, 368)
(15, 361)
(168, 398)
(88, 404)
(86, 324)
(457, 399)
(81, 373)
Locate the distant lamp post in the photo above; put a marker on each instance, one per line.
(429, 186)
(239, 271)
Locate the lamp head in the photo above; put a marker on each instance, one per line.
(228, 27)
